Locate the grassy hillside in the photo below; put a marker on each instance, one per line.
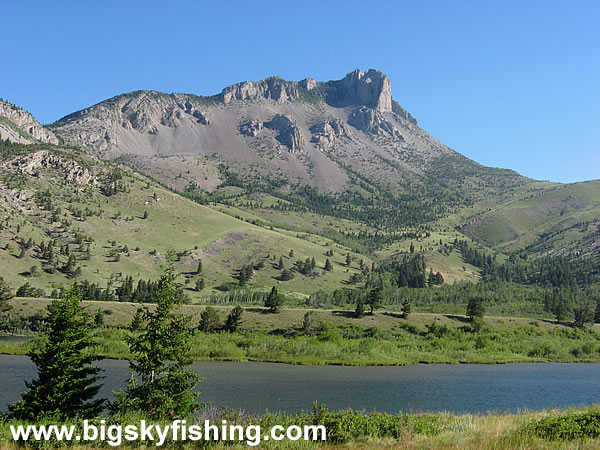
(559, 219)
(118, 223)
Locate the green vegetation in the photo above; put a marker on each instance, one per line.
(163, 384)
(67, 382)
(549, 429)
(337, 336)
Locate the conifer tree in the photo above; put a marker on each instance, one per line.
(234, 319)
(67, 382)
(162, 358)
(274, 300)
(328, 266)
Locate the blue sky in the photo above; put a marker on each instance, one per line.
(508, 84)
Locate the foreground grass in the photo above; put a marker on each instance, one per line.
(337, 338)
(573, 428)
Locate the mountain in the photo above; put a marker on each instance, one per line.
(17, 125)
(267, 177)
(321, 134)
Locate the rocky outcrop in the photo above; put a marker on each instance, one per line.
(251, 128)
(288, 132)
(73, 173)
(308, 83)
(372, 89)
(25, 122)
(273, 88)
(399, 110)
(370, 121)
(325, 134)
(99, 126)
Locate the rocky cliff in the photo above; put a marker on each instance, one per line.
(20, 126)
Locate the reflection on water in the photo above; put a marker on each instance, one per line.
(279, 387)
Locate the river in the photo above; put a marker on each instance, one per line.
(466, 388)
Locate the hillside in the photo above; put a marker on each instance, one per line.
(57, 204)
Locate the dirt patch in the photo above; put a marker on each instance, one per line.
(226, 240)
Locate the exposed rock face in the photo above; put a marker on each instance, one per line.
(326, 133)
(371, 121)
(73, 173)
(308, 83)
(273, 88)
(289, 134)
(25, 121)
(397, 109)
(251, 128)
(372, 89)
(99, 127)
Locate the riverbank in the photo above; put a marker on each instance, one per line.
(549, 429)
(336, 337)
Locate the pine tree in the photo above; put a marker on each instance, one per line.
(280, 266)
(6, 293)
(200, 284)
(274, 300)
(475, 308)
(99, 318)
(375, 298)
(67, 382)
(234, 319)
(328, 267)
(348, 259)
(162, 351)
(308, 323)
(406, 308)
(199, 268)
(209, 320)
(359, 311)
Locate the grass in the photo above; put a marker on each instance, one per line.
(338, 338)
(196, 232)
(355, 429)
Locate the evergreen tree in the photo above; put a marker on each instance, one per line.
(200, 284)
(67, 382)
(162, 350)
(406, 308)
(274, 300)
(584, 314)
(475, 308)
(145, 216)
(209, 320)
(596, 315)
(199, 268)
(375, 298)
(281, 266)
(286, 275)
(6, 293)
(359, 311)
(234, 319)
(99, 318)
(348, 259)
(308, 324)
(328, 267)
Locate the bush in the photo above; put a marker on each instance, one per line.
(568, 427)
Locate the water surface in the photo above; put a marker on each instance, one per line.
(466, 388)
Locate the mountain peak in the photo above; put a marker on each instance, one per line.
(371, 88)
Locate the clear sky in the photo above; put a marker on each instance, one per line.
(507, 83)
